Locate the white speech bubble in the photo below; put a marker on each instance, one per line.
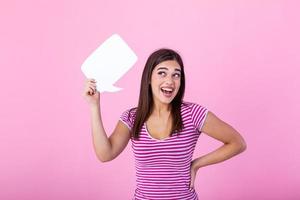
(108, 63)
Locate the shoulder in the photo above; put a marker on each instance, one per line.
(129, 113)
(128, 117)
(185, 105)
(132, 111)
(196, 112)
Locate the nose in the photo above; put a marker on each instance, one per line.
(169, 80)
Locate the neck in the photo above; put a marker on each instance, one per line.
(160, 109)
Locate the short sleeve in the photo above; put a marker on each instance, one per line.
(198, 115)
(127, 118)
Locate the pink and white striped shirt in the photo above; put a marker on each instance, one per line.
(163, 166)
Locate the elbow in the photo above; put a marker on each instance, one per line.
(242, 146)
(103, 159)
(238, 146)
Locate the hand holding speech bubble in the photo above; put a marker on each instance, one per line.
(108, 63)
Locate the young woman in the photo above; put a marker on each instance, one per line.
(163, 130)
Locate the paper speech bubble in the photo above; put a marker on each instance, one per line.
(108, 63)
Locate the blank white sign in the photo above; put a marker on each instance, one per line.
(108, 63)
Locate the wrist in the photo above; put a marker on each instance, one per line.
(94, 106)
(196, 164)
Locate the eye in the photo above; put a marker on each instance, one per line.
(177, 75)
(162, 73)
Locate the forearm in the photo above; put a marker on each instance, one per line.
(102, 145)
(223, 153)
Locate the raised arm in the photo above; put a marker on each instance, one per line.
(105, 148)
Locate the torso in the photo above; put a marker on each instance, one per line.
(163, 165)
(159, 128)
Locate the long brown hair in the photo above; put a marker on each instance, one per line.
(145, 104)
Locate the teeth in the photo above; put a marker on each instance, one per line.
(168, 89)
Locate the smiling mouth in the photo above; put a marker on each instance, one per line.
(167, 91)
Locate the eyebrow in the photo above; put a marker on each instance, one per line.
(179, 70)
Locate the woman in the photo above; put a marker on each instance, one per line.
(163, 130)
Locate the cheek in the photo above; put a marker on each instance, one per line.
(154, 87)
(178, 86)
(178, 83)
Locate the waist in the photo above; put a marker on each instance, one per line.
(160, 194)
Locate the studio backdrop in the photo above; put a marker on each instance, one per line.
(241, 61)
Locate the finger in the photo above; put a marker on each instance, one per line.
(192, 180)
(87, 88)
(88, 85)
(92, 80)
(95, 90)
(89, 81)
(91, 84)
(92, 88)
(89, 91)
(192, 184)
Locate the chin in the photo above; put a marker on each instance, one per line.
(167, 101)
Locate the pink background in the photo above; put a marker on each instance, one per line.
(242, 63)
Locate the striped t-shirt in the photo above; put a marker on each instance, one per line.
(163, 166)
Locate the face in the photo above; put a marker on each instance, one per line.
(165, 81)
